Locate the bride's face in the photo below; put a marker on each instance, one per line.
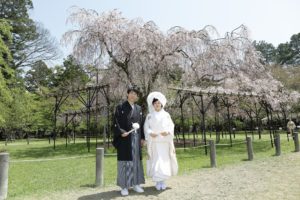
(157, 105)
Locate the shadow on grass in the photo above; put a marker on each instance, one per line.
(88, 186)
(274, 155)
(149, 191)
(245, 160)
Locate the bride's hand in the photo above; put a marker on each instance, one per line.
(153, 135)
(164, 133)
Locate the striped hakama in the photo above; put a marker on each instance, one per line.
(131, 173)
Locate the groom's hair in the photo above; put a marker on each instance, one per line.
(134, 88)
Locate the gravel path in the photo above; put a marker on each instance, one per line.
(274, 178)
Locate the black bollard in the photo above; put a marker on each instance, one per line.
(212, 146)
(249, 148)
(277, 144)
(296, 142)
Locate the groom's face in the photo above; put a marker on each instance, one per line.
(132, 96)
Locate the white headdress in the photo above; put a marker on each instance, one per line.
(157, 95)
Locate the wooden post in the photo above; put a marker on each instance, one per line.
(212, 146)
(249, 148)
(4, 165)
(296, 142)
(277, 144)
(99, 166)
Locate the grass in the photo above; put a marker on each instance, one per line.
(2, 150)
(195, 158)
(27, 178)
(41, 177)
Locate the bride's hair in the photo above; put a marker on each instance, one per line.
(155, 100)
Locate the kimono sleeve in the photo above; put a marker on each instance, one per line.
(147, 129)
(171, 125)
(142, 124)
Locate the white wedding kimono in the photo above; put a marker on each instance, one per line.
(162, 162)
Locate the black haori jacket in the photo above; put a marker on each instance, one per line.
(124, 118)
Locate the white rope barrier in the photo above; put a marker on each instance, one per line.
(54, 159)
(182, 148)
(244, 142)
(50, 159)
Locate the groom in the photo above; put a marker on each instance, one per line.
(129, 145)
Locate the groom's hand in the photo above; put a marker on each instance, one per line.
(125, 134)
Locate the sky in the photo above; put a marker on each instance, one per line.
(273, 21)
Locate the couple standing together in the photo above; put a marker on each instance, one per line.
(131, 133)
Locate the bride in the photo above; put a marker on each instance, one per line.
(159, 133)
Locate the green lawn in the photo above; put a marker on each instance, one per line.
(26, 178)
(77, 172)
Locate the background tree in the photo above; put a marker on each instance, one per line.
(31, 41)
(5, 54)
(43, 47)
(23, 28)
(39, 77)
(21, 116)
(132, 51)
(6, 72)
(267, 50)
(295, 48)
(284, 54)
(138, 52)
(290, 77)
(71, 74)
